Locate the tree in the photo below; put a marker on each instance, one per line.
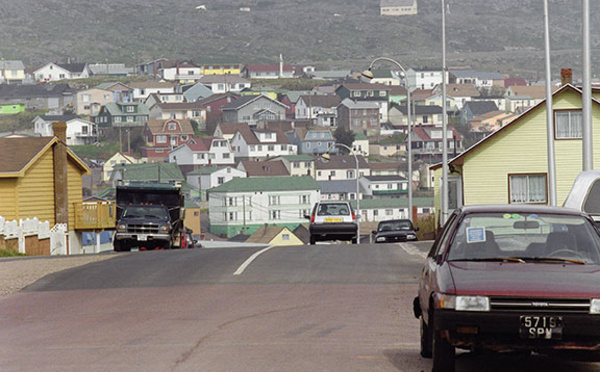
(344, 137)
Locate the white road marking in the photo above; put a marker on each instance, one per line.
(412, 250)
(243, 267)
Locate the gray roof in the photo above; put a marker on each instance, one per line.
(385, 178)
(34, 91)
(12, 65)
(481, 107)
(58, 117)
(110, 69)
(421, 109)
(337, 186)
(359, 104)
(386, 3)
(482, 75)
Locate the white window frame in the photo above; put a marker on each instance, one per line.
(528, 188)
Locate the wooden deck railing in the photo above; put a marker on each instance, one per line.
(94, 215)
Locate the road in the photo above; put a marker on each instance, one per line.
(305, 308)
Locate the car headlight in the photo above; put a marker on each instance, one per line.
(380, 239)
(464, 303)
(164, 228)
(411, 237)
(595, 306)
(121, 227)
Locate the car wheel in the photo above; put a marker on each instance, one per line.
(443, 354)
(354, 240)
(426, 340)
(312, 240)
(120, 247)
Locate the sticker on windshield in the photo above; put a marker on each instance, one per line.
(475, 234)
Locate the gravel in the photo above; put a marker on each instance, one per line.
(18, 273)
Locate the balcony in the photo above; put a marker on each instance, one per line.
(94, 215)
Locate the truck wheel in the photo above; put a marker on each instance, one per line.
(425, 339)
(312, 240)
(120, 247)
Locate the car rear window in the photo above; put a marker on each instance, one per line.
(333, 209)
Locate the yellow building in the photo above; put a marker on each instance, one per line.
(221, 69)
(511, 165)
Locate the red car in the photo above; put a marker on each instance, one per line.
(510, 277)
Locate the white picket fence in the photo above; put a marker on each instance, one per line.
(31, 227)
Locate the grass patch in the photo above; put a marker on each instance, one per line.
(10, 253)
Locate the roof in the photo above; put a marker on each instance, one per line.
(385, 178)
(481, 107)
(460, 158)
(219, 78)
(11, 65)
(321, 100)
(532, 91)
(150, 172)
(205, 170)
(366, 86)
(355, 105)
(266, 68)
(341, 162)
(462, 90)
(420, 109)
(481, 75)
(175, 106)
(8, 91)
(151, 84)
(72, 67)
(53, 118)
(266, 234)
(246, 100)
(18, 154)
(116, 108)
(265, 169)
(394, 3)
(231, 128)
(337, 186)
(265, 184)
(158, 126)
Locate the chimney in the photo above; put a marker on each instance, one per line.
(566, 76)
(61, 188)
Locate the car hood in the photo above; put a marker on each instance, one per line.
(525, 279)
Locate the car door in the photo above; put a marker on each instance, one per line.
(429, 275)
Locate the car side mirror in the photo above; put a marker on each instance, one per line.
(307, 216)
(374, 231)
(417, 228)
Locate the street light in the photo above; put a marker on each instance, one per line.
(369, 75)
(326, 156)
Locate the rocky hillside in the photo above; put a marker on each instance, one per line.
(505, 35)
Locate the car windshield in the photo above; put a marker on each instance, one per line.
(333, 209)
(145, 211)
(526, 238)
(395, 226)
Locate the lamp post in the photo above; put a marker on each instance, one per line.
(369, 75)
(358, 215)
(444, 188)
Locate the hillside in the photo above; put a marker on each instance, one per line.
(496, 35)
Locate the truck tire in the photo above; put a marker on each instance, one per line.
(120, 247)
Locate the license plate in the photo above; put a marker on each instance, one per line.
(541, 327)
(333, 220)
(142, 238)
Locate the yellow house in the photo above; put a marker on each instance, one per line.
(511, 165)
(221, 69)
(274, 235)
(41, 178)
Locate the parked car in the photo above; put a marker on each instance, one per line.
(333, 220)
(510, 277)
(395, 231)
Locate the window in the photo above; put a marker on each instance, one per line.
(231, 202)
(304, 199)
(130, 109)
(85, 98)
(161, 139)
(274, 200)
(527, 188)
(568, 124)
(275, 215)
(172, 126)
(220, 180)
(285, 237)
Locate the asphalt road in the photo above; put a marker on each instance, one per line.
(308, 308)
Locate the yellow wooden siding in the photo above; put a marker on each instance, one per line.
(293, 239)
(522, 148)
(8, 198)
(36, 190)
(74, 174)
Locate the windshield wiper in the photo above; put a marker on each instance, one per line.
(555, 259)
(493, 259)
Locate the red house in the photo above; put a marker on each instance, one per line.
(213, 106)
(162, 136)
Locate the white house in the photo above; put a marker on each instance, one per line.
(61, 71)
(321, 109)
(424, 78)
(225, 83)
(340, 167)
(206, 151)
(205, 178)
(261, 143)
(143, 89)
(79, 131)
(243, 205)
(180, 71)
(398, 7)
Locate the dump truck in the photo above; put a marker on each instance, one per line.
(149, 215)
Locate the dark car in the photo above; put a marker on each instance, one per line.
(395, 231)
(510, 277)
(333, 220)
